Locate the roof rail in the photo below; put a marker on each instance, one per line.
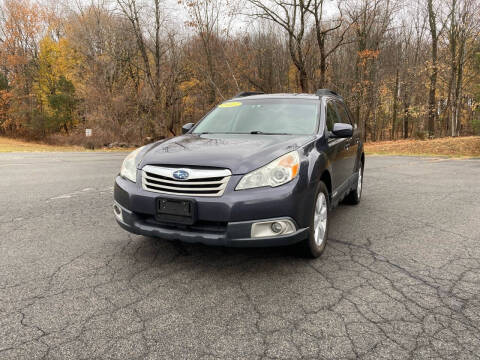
(322, 92)
(248, 93)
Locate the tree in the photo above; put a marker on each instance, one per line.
(133, 71)
(54, 90)
(130, 10)
(432, 103)
(20, 25)
(4, 101)
(371, 20)
(63, 103)
(323, 29)
(266, 61)
(291, 16)
(462, 26)
(204, 19)
(3, 82)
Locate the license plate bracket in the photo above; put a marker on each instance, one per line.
(177, 211)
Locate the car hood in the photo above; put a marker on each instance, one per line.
(241, 153)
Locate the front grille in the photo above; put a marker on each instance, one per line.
(200, 182)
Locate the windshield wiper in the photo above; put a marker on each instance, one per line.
(266, 133)
(256, 132)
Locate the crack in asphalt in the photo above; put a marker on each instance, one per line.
(74, 285)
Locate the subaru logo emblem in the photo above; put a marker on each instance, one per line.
(180, 174)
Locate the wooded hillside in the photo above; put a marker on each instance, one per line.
(136, 70)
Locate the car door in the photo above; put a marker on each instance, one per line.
(351, 143)
(338, 148)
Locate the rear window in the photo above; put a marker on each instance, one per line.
(270, 116)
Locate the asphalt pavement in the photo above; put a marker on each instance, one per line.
(399, 279)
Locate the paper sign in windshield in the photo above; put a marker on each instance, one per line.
(230, 104)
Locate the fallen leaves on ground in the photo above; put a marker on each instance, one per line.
(468, 146)
(16, 145)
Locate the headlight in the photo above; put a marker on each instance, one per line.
(129, 166)
(278, 172)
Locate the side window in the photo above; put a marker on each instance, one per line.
(331, 116)
(342, 112)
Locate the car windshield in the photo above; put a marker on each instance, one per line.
(266, 116)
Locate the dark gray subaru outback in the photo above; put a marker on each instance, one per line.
(257, 170)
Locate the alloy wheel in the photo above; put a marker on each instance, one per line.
(359, 184)
(320, 219)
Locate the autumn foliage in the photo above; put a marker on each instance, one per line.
(136, 70)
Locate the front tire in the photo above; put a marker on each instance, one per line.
(314, 245)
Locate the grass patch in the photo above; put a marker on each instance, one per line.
(468, 146)
(15, 145)
(453, 147)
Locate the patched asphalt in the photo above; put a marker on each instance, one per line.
(399, 279)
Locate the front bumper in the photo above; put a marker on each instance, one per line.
(221, 221)
(237, 234)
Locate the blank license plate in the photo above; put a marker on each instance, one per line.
(177, 211)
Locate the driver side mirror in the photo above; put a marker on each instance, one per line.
(187, 127)
(342, 130)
